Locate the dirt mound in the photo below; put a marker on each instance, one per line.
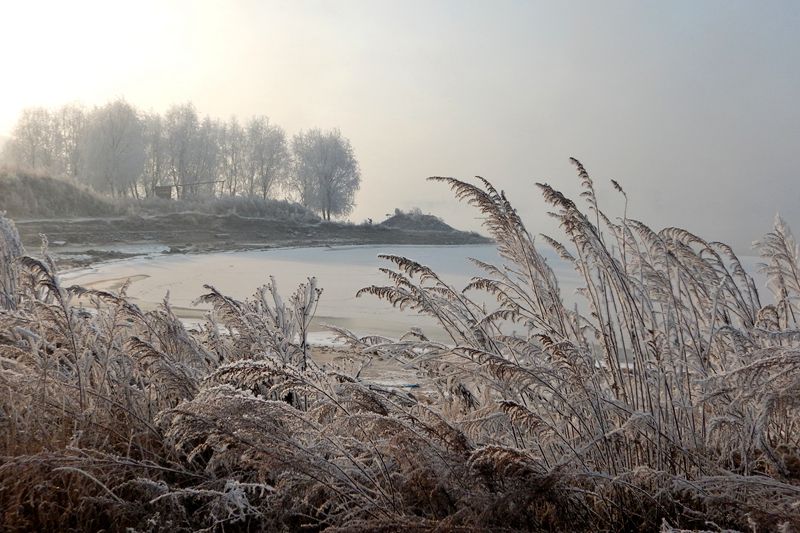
(415, 220)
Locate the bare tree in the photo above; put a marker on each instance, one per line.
(206, 156)
(267, 156)
(70, 124)
(232, 155)
(48, 140)
(114, 149)
(181, 124)
(155, 170)
(118, 150)
(326, 173)
(31, 144)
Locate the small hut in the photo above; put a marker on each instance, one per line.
(163, 191)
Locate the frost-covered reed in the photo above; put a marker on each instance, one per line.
(670, 403)
(10, 249)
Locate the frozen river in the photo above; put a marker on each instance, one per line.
(340, 272)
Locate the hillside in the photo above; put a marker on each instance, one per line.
(24, 195)
(31, 196)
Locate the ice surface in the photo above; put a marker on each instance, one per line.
(341, 271)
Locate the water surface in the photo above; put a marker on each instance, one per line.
(340, 272)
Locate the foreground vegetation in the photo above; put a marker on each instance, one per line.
(669, 400)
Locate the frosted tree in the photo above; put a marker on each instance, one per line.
(118, 150)
(267, 159)
(155, 169)
(114, 149)
(47, 140)
(232, 155)
(70, 123)
(326, 173)
(31, 144)
(182, 125)
(206, 155)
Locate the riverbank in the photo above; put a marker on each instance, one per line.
(84, 241)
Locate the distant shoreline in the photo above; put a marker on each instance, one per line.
(79, 242)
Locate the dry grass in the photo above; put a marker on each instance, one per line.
(30, 195)
(671, 403)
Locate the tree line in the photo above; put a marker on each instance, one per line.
(121, 151)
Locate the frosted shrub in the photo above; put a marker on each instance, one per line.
(668, 400)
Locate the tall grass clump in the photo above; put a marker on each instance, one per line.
(668, 399)
(244, 206)
(672, 399)
(10, 249)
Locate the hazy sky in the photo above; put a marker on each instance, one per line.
(692, 106)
